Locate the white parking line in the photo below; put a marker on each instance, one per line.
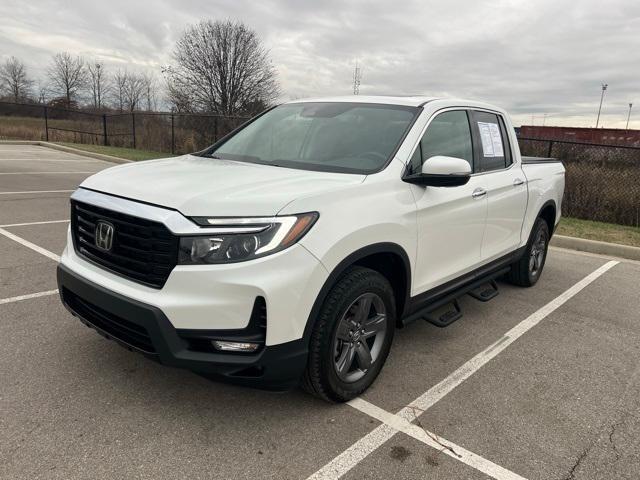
(400, 424)
(32, 223)
(30, 245)
(29, 192)
(42, 173)
(28, 297)
(348, 459)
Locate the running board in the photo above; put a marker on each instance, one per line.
(452, 313)
(484, 289)
(485, 292)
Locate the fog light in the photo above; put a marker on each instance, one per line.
(235, 346)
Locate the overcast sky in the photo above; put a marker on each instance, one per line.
(531, 57)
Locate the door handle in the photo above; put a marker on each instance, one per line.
(517, 182)
(479, 192)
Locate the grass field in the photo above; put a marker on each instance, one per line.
(128, 153)
(604, 232)
(21, 128)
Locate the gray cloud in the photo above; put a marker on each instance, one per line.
(533, 58)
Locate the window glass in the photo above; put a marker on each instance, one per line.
(508, 160)
(493, 145)
(448, 134)
(336, 137)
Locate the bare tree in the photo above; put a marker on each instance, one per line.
(119, 86)
(177, 97)
(150, 94)
(134, 89)
(43, 92)
(14, 81)
(221, 67)
(98, 83)
(67, 76)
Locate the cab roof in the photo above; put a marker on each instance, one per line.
(410, 101)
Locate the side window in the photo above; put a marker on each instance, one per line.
(492, 142)
(448, 134)
(508, 158)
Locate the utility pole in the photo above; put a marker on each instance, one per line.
(604, 88)
(357, 77)
(629, 116)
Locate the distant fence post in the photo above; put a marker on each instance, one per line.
(46, 123)
(173, 136)
(550, 148)
(215, 129)
(133, 128)
(104, 129)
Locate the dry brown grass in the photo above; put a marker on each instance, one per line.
(153, 131)
(21, 128)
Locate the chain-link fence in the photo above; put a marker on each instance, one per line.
(602, 181)
(156, 131)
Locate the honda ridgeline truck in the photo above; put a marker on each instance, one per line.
(288, 252)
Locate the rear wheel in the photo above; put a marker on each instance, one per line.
(526, 271)
(351, 337)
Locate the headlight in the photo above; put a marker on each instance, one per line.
(238, 239)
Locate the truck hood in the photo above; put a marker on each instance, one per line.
(198, 186)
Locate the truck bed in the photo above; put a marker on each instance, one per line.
(528, 160)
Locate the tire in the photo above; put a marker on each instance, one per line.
(337, 368)
(527, 271)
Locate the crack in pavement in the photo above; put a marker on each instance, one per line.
(432, 436)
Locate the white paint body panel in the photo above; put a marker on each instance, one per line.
(444, 231)
(198, 186)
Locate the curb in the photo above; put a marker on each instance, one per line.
(63, 148)
(594, 246)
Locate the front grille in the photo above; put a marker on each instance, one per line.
(117, 327)
(143, 251)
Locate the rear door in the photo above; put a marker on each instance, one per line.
(504, 182)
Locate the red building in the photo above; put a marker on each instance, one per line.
(606, 136)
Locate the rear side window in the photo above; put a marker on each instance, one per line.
(492, 142)
(448, 134)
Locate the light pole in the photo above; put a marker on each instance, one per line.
(604, 87)
(629, 116)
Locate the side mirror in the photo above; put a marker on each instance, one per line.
(441, 171)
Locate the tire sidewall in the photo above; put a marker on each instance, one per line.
(373, 283)
(540, 225)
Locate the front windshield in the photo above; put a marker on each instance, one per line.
(335, 137)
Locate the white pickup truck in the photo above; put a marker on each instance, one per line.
(289, 251)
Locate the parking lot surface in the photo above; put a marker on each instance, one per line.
(540, 383)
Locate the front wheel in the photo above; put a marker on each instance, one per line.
(526, 271)
(351, 337)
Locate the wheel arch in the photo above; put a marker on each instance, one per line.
(548, 212)
(389, 259)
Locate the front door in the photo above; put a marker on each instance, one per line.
(450, 220)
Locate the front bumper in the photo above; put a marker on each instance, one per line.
(145, 328)
(220, 297)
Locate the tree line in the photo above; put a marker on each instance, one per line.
(217, 67)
